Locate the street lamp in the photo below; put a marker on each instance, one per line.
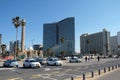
(16, 23)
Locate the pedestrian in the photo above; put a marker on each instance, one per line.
(98, 58)
(89, 58)
(86, 59)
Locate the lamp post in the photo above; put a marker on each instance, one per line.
(16, 23)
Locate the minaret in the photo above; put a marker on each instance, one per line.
(23, 23)
(0, 41)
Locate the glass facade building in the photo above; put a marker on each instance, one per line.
(60, 36)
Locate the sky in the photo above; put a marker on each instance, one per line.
(91, 16)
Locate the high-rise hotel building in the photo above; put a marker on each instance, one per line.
(60, 36)
(115, 44)
(0, 42)
(97, 43)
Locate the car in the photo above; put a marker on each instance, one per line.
(11, 63)
(75, 59)
(42, 61)
(54, 61)
(31, 63)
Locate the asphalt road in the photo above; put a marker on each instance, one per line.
(64, 72)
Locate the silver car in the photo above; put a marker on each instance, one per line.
(74, 59)
(42, 61)
(11, 63)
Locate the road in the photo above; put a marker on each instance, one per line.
(64, 72)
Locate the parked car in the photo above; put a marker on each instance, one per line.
(75, 59)
(54, 61)
(42, 61)
(11, 63)
(31, 63)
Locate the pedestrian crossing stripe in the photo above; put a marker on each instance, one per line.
(19, 78)
(67, 70)
(77, 69)
(67, 79)
(35, 76)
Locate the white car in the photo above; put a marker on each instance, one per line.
(74, 59)
(54, 61)
(31, 63)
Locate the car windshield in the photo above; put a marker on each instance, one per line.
(56, 59)
(13, 60)
(74, 58)
(40, 59)
(33, 61)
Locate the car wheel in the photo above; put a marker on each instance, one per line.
(54, 64)
(16, 66)
(4, 65)
(30, 66)
(24, 65)
(60, 64)
(48, 64)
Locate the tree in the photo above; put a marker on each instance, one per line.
(119, 46)
(28, 54)
(16, 23)
(87, 42)
(48, 52)
(62, 52)
(107, 46)
(62, 40)
(52, 54)
(3, 47)
(38, 53)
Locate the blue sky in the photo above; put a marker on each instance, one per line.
(90, 16)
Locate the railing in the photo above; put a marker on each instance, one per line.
(92, 74)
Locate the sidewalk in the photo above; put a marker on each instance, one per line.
(112, 75)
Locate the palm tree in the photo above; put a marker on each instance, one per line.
(48, 52)
(106, 46)
(87, 42)
(28, 54)
(16, 23)
(118, 46)
(3, 47)
(52, 54)
(62, 40)
(62, 52)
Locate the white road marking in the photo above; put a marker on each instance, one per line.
(47, 69)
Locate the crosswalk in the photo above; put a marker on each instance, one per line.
(7, 68)
(50, 73)
(19, 78)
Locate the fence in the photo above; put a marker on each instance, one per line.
(92, 74)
